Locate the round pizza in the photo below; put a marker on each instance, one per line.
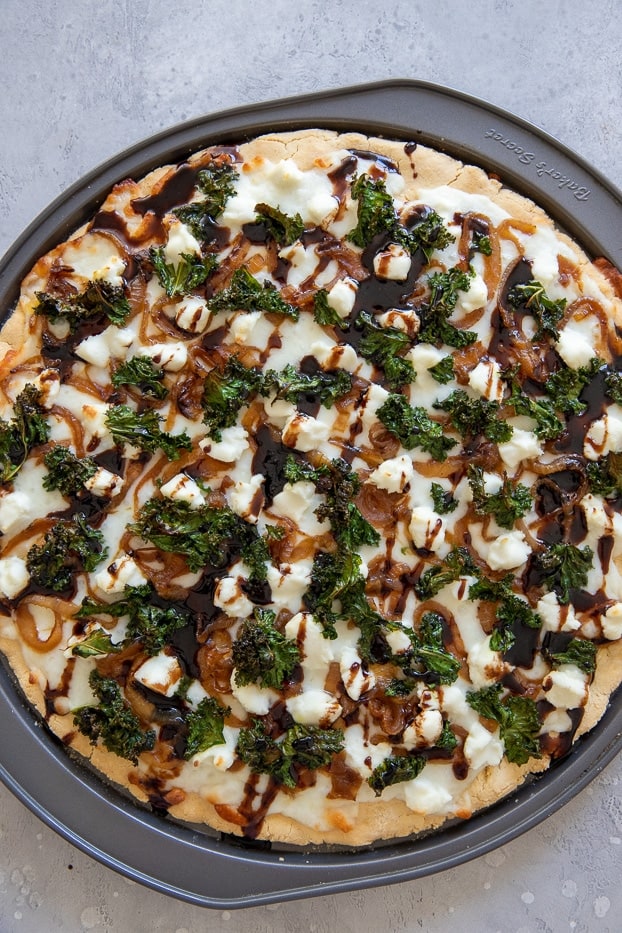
(311, 489)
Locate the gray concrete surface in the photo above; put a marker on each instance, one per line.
(80, 82)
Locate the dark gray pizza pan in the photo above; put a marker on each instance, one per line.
(187, 861)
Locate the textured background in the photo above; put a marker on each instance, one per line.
(80, 82)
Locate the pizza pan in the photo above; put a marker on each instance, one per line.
(191, 862)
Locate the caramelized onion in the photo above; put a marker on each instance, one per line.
(25, 619)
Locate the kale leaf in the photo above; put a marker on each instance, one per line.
(183, 277)
(302, 747)
(413, 427)
(382, 346)
(563, 567)
(323, 312)
(97, 644)
(518, 719)
(605, 475)
(532, 298)
(27, 429)
(472, 417)
(70, 546)
(262, 654)
(290, 384)
(99, 299)
(281, 227)
(141, 371)
(395, 769)
(429, 658)
(225, 391)
(542, 410)
(66, 472)
(580, 652)
(565, 386)
(205, 726)
(444, 501)
(458, 563)
(112, 721)
(246, 293)
(443, 371)
(216, 182)
(507, 505)
(435, 313)
(375, 210)
(143, 430)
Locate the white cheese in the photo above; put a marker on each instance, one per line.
(183, 489)
(356, 680)
(507, 551)
(122, 572)
(393, 474)
(160, 673)
(398, 641)
(393, 263)
(289, 583)
(426, 795)
(612, 622)
(424, 729)
(335, 355)
(427, 529)
(304, 433)
(255, 699)
(523, 445)
(314, 708)
(48, 383)
(191, 314)
(556, 618)
(342, 295)
(104, 483)
(180, 240)
(485, 379)
(485, 665)
(171, 357)
(242, 325)
(375, 397)
(246, 499)
(298, 502)
(230, 597)
(404, 320)
(604, 435)
(111, 343)
(482, 748)
(566, 688)
(14, 576)
(476, 296)
(232, 444)
(13, 507)
(574, 347)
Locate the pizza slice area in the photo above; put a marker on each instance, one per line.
(309, 489)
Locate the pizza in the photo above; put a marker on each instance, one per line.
(310, 489)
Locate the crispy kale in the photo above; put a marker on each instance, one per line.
(69, 547)
(518, 719)
(204, 535)
(443, 371)
(447, 739)
(143, 430)
(99, 300)
(382, 346)
(580, 652)
(376, 215)
(290, 384)
(147, 622)
(302, 747)
(141, 371)
(472, 417)
(605, 475)
(280, 226)
(563, 567)
(205, 726)
(458, 563)
(394, 770)
(26, 430)
(532, 298)
(246, 293)
(262, 654)
(225, 391)
(435, 313)
(565, 386)
(216, 182)
(323, 312)
(66, 472)
(542, 410)
(481, 243)
(183, 277)
(414, 428)
(444, 502)
(429, 658)
(507, 505)
(97, 644)
(375, 210)
(613, 385)
(113, 721)
(511, 609)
